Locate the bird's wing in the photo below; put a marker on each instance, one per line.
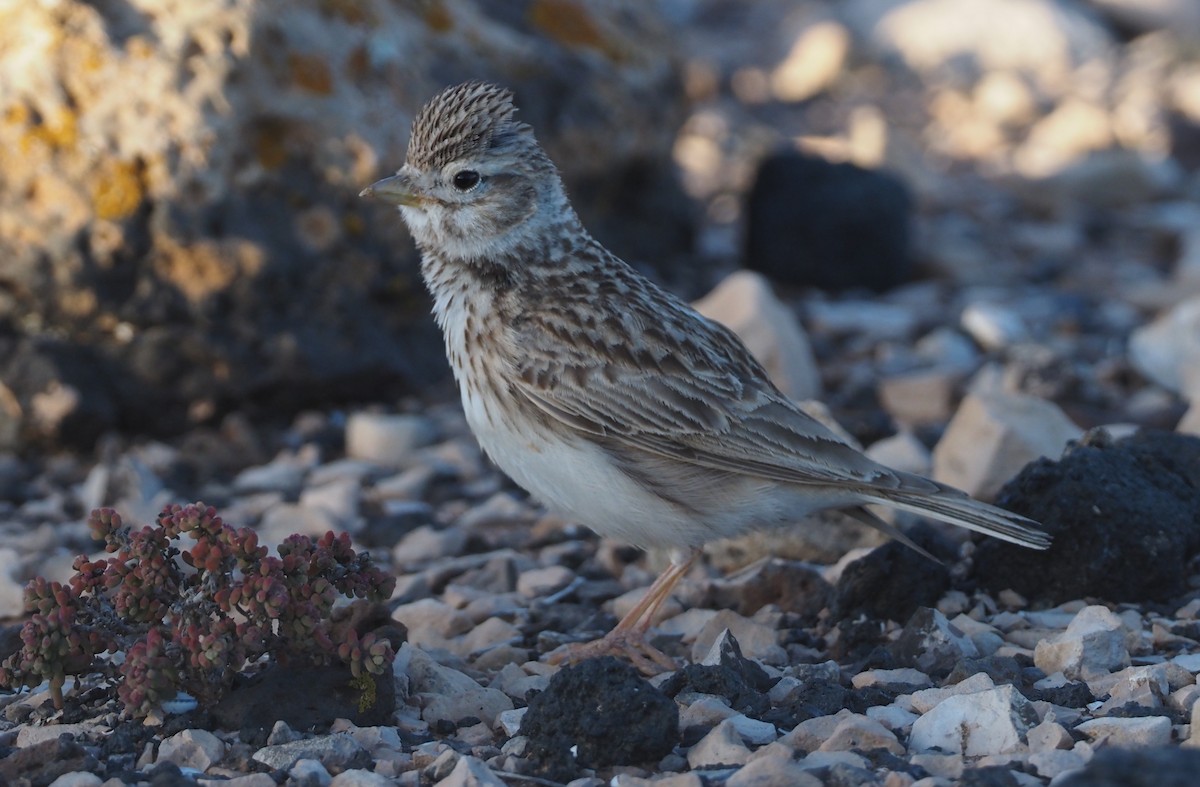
(686, 388)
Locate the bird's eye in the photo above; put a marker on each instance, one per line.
(466, 179)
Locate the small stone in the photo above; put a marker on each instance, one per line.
(282, 733)
(1092, 645)
(309, 773)
(758, 641)
(471, 772)
(447, 694)
(1145, 686)
(932, 644)
(12, 592)
(993, 326)
(994, 721)
(538, 582)
(510, 720)
(807, 736)
(814, 62)
(722, 746)
(772, 772)
(338, 751)
(992, 436)
(1168, 350)
(284, 475)
(426, 543)
(861, 733)
(198, 749)
(1049, 735)
(245, 780)
(893, 717)
(1051, 763)
(359, 777)
(902, 451)
(77, 779)
(339, 499)
(744, 303)
(920, 398)
(1144, 731)
(432, 623)
(911, 678)
(387, 439)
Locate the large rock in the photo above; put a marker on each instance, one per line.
(1125, 517)
(180, 230)
(1044, 39)
(810, 222)
(744, 303)
(1168, 350)
(993, 435)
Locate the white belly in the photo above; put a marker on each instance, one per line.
(576, 479)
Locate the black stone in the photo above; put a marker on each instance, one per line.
(42, 763)
(834, 226)
(811, 699)
(1167, 766)
(1070, 695)
(271, 696)
(991, 776)
(604, 709)
(721, 681)
(893, 581)
(1125, 516)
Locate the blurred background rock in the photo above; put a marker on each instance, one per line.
(937, 188)
(180, 231)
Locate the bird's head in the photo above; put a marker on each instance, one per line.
(475, 183)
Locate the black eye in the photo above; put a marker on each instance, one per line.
(466, 179)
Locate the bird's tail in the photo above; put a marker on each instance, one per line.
(950, 505)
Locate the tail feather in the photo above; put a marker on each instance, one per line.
(950, 505)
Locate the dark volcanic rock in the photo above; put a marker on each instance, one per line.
(604, 709)
(891, 582)
(42, 763)
(804, 213)
(1169, 766)
(1125, 517)
(327, 695)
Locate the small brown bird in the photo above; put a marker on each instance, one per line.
(611, 400)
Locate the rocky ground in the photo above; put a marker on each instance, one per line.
(1019, 315)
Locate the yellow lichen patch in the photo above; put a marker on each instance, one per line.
(16, 114)
(116, 189)
(59, 130)
(311, 73)
(206, 267)
(567, 22)
(438, 17)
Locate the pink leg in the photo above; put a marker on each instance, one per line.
(628, 638)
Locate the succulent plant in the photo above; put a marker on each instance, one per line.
(192, 619)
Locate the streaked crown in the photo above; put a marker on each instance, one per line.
(460, 120)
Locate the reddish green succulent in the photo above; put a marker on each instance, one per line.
(192, 619)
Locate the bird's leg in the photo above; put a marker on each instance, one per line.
(628, 637)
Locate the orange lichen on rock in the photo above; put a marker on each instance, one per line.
(117, 188)
(206, 267)
(569, 23)
(311, 73)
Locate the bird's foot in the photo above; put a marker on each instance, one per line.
(629, 645)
